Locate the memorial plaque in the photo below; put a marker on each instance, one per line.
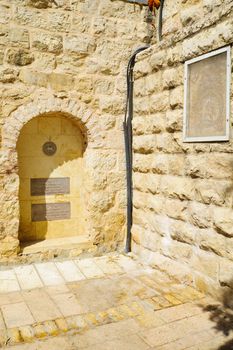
(50, 211)
(207, 96)
(43, 187)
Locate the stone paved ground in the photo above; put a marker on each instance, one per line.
(106, 303)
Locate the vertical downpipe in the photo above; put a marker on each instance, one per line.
(127, 125)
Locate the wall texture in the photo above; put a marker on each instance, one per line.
(183, 193)
(68, 57)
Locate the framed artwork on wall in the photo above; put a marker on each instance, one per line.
(207, 97)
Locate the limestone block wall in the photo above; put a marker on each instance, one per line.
(68, 58)
(183, 192)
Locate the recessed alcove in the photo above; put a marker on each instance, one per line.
(51, 193)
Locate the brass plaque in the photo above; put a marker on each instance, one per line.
(50, 211)
(44, 187)
(49, 148)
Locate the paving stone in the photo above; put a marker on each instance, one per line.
(28, 277)
(93, 288)
(149, 320)
(61, 288)
(69, 271)
(108, 265)
(13, 336)
(49, 274)
(89, 268)
(128, 264)
(27, 333)
(8, 282)
(132, 342)
(48, 344)
(40, 305)
(178, 312)
(217, 343)
(107, 332)
(16, 315)
(174, 331)
(10, 298)
(68, 304)
(186, 342)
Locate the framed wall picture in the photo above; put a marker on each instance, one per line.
(207, 97)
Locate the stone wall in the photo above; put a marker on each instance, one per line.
(183, 192)
(68, 57)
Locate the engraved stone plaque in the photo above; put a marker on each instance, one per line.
(207, 95)
(43, 187)
(50, 211)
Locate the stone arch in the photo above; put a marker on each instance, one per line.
(75, 110)
(44, 105)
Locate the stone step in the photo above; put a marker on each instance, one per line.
(58, 245)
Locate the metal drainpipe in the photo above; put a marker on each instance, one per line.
(127, 125)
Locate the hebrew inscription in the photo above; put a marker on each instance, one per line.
(50, 211)
(43, 187)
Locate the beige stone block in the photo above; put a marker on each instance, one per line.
(177, 97)
(223, 221)
(211, 192)
(217, 166)
(146, 238)
(150, 125)
(206, 40)
(152, 83)
(5, 11)
(33, 77)
(172, 77)
(205, 263)
(191, 14)
(19, 57)
(200, 215)
(177, 187)
(19, 36)
(8, 75)
(144, 144)
(157, 60)
(172, 25)
(167, 143)
(174, 55)
(175, 209)
(147, 182)
(225, 273)
(142, 68)
(81, 44)
(60, 81)
(159, 102)
(174, 120)
(179, 251)
(183, 232)
(46, 42)
(210, 241)
(44, 62)
(102, 160)
(110, 104)
(176, 164)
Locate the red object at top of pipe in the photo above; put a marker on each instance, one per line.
(154, 4)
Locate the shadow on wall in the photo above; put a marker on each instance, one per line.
(222, 314)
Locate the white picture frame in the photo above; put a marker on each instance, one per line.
(218, 135)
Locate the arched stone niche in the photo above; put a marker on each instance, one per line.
(79, 115)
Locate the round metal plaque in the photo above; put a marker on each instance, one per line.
(49, 148)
